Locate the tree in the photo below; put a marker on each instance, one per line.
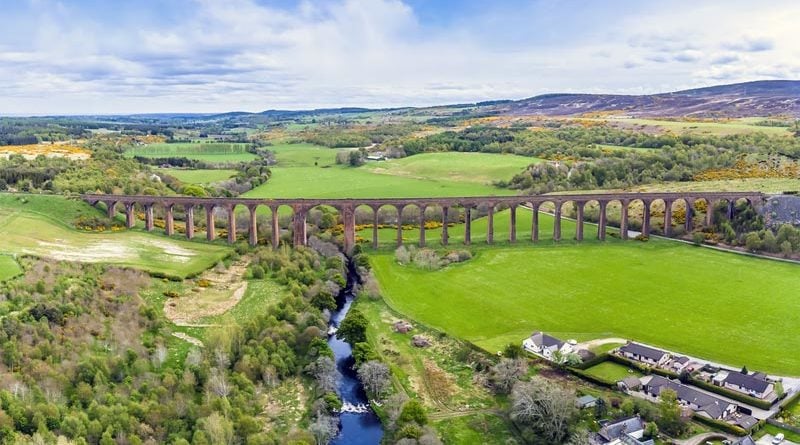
(506, 373)
(752, 241)
(324, 371)
(513, 350)
(651, 430)
(323, 428)
(413, 412)
(375, 376)
(786, 249)
(544, 407)
(670, 419)
(353, 328)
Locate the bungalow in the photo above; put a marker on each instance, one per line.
(679, 363)
(748, 384)
(545, 345)
(644, 354)
(700, 402)
(627, 431)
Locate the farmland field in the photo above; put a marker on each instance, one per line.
(8, 268)
(309, 171)
(201, 176)
(692, 300)
(39, 227)
(201, 151)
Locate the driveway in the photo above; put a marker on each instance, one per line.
(766, 439)
(701, 439)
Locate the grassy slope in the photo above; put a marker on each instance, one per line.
(39, 226)
(726, 307)
(478, 168)
(711, 128)
(8, 268)
(197, 176)
(296, 175)
(209, 152)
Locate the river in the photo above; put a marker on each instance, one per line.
(355, 428)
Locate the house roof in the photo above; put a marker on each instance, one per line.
(543, 340)
(617, 428)
(746, 440)
(682, 360)
(746, 422)
(711, 405)
(643, 351)
(632, 382)
(747, 382)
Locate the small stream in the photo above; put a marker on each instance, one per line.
(355, 428)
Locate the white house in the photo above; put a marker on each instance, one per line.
(644, 354)
(545, 345)
(749, 384)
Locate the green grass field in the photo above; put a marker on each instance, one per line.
(721, 306)
(502, 230)
(201, 151)
(478, 168)
(39, 226)
(611, 371)
(309, 171)
(202, 176)
(9, 268)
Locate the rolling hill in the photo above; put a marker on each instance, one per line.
(760, 98)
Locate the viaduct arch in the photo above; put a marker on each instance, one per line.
(347, 210)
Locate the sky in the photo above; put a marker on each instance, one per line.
(208, 56)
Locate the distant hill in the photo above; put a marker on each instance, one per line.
(760, 98)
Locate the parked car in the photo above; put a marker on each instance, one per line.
(778, 438)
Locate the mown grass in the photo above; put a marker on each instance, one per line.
(725, 307)
(9, 268)
(309, 171)
(611, 371)
(40, 226)
(200, 176)
(201, 151)
(478, 168)
(387, 236)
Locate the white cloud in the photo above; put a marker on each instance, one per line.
(240, 55)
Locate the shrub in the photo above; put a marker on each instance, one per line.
(257, 272)
(402, 255)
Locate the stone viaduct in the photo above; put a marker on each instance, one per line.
(347, 208)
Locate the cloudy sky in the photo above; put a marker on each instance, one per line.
(133, 56)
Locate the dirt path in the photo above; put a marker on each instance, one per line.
(599, 342)
(188, 338)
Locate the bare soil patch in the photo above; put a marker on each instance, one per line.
(215, 292)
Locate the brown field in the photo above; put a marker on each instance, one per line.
(56, 150)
